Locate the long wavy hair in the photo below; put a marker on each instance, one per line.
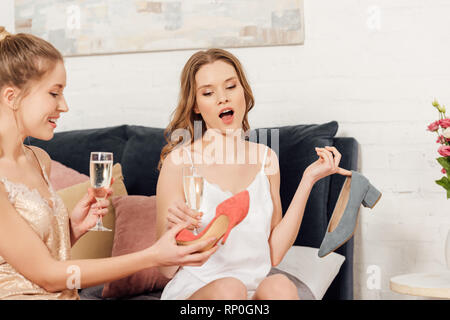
(183, 117)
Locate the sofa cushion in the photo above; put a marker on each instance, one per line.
(140, 159)
(295, 153)
(62, 176)
(316, 273)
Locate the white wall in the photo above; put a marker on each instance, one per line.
(374, 66)
(7, 14)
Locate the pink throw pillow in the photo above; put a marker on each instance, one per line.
(135, 230)
(62, 177)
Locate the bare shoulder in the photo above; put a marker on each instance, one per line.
(261, 147)
(43, 157)
(171, 170)
(271, 165)
(271, 155)
(175, 160)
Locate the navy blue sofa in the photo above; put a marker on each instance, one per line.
(138, 147)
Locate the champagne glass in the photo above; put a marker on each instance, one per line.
(101, 164)
(193, 188)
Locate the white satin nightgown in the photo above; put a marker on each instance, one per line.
(246, 253)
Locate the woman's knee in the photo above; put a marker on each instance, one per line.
(228, 289)
(277, 287)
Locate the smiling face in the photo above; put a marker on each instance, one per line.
(40, 109)
(220, 96)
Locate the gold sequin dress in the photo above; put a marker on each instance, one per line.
(51, 223)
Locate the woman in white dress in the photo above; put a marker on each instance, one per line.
(216, 97)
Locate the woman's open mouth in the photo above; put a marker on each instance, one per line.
(227, 116)
(53, 121)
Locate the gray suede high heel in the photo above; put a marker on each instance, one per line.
(355, 191)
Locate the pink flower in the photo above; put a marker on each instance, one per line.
(441, 139)
(444, 171)
(444, 123)
(444, 151)
(434, 126)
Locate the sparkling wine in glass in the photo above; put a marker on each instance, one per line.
(100, 175)
(193, 188)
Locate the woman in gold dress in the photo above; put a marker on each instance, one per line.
(36, 231)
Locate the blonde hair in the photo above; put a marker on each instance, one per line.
(3, 33)
(25, 58)
(184, 116)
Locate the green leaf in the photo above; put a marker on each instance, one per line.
(444, 162)
(445, 182)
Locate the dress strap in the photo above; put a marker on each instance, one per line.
(42, 167)
(39, 162)
(264, 159)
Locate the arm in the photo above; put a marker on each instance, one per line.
(285, 230)
(22, 248)
(168, 189)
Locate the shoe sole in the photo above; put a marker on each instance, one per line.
(216, 230)
(357, 220)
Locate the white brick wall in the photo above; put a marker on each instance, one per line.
(376, 77)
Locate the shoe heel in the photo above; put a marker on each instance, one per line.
(371, 198)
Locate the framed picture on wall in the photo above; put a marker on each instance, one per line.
(86, 27)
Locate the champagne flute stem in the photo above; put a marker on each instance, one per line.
(99, 222)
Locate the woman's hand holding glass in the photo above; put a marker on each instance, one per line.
(87, 211)
(179, 212)
(100, 168)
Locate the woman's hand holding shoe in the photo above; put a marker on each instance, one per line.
(166, 252)
(327, 164)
